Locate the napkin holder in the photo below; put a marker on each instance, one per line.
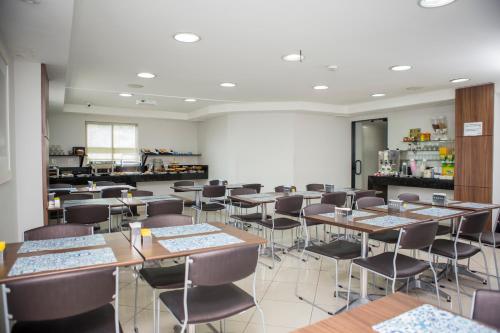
(329, 188)
(343, 214)
(135, 231)
(2, 251)
(147, 238)
(439, 199)
(395, 206)
(124, 194)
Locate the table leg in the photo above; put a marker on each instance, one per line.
(197, 203)
(363, 277)
(4, 321)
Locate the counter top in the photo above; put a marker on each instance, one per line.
(381, 183)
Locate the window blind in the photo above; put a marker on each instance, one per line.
(112, 142)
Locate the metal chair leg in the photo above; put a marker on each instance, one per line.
(135, 301)
(458, 287)
(349, 287)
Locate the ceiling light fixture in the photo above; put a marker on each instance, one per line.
(320, 87)
(190, 100)
(332, 68)
(378, 95)
(434, 3)
(146, 75)
(186, 37)
(228, 84)
(399, 68)
(125, 94)
(293, 57)
(462, 79)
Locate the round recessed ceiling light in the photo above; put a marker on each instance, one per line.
(462, 79)
(399, 68)
(320, 87)
(378, 95)
(125, 94)
(135, 85)
(332, 67)
(186, 37)
(146, 75)
(190, 100)
(228, 84)
(293, 57)
(434, 3)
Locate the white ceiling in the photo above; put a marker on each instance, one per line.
(243, 41)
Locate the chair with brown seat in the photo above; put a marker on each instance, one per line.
(116, 192)
(394, 265)
(411, 197)
(362, 194)
(485, 305)
(138, 193)
(76, 196)
(281, 189)
(334, 198)
(453, 250)
(240, 206)
(162, 207)
(77, 302)
(387, 237)
(187, 202)
(289, 206)
(88, 214)
(170, 277)
(339, 249)
(209, 292)
(315, 187)
(256, 186)
(211, 193)
(217, 182)
(104, 183)
(58, 231)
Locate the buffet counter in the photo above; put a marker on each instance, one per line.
(427, 185)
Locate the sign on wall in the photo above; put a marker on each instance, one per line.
(473, 129)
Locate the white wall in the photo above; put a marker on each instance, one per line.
(9, 230)
(276, 148)
(496, 146)
(28, 133)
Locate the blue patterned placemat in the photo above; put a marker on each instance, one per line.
(65, 260)
(473, 205)
(199, 242)
(429, 319)
(437, 212)
(355, 214)
(406, 207)
(183, 230)
(61, 243)
(157, 198)
(388, 221)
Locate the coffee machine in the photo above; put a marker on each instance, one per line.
(388, 162)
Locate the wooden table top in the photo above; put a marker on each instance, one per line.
(125, 253)
(155, 251)
(455, 204)
(358, 225)
(362, 318)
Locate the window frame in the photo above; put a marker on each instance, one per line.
(112, 124)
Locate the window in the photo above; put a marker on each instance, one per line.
(112, 142)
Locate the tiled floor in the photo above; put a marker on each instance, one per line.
(283, 311)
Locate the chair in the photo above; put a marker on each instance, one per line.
(187, 202)
(363, 194)
(237, 204)
(289, 206)
(54, 186)
(57, 231)
(257, 187)
(59, 192)
(334, 198)
(280, 189)
(410, 197)
(113, 192)
(170, 277)
(76, 196)
(485, 305)
(77, 302)
(471, 224)
(315, 187)
(394, 265)
(387, 237)
(217, 182)
(212, 192)
(209, 293)
(88, 214)
(339, 249)
(164, 207)
(141, 193)
(104, 183)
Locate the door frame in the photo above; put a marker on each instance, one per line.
(353, 144)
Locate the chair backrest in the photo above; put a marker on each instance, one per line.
(167, 220)
(217, 182)
(289, 204)
(474, 223)
(318, 208)
(334, 198)
(214, 268)
(87, 214)
(255, 186)
(364, 194)
(214, 191)
(315, 187)
(113, 192)
(485, 307)
(51, 186)
(164, 207)
(141, 193)
(409, 197)
(104, 183)
(243, 191)
(366, 202)
(76, 196)
(62, 295)
(57, 231)
(418, 235)
(279, 189)
(183, 183)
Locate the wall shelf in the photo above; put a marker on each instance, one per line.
(146, 155)
(82, 157)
